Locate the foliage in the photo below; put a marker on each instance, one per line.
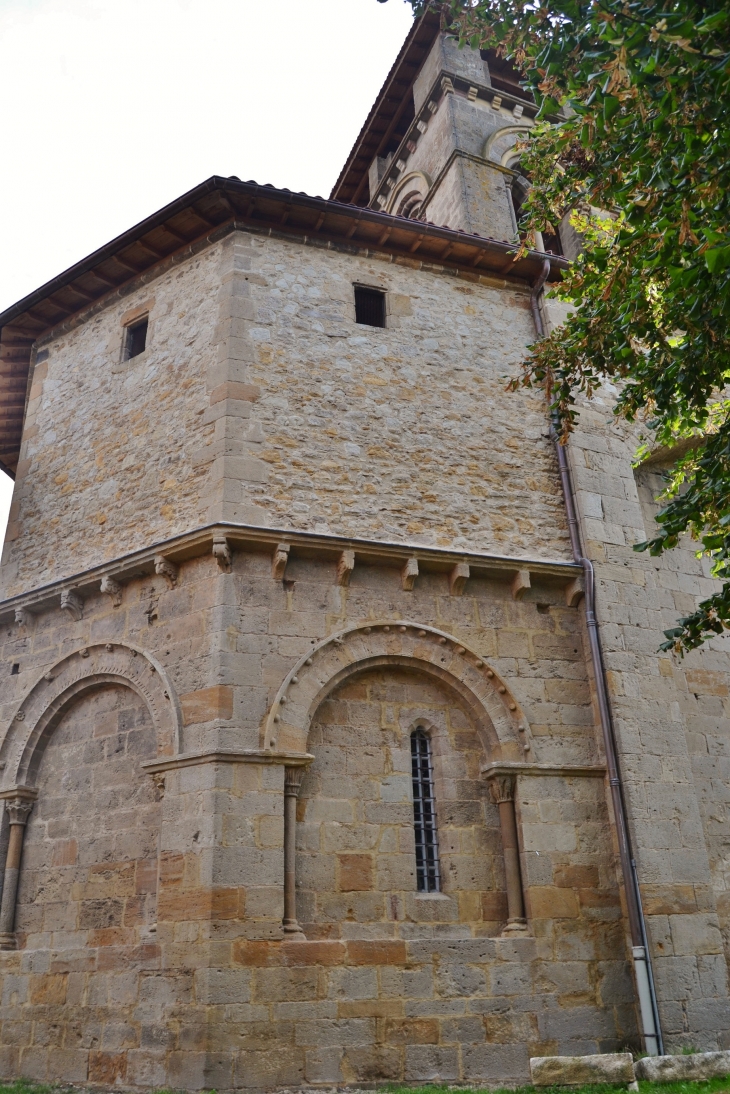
(641, 91)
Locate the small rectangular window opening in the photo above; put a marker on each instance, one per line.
(369, 307)
(136, 339)
(15, 669)
(428, 873)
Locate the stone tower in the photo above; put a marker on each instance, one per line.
(301, 759)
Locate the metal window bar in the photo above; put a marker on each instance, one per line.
(369, 307)
(428, 873)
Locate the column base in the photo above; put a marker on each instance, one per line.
(515, 926)
(293, 932)
(8, 942)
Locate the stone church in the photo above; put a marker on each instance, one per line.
(316, 767)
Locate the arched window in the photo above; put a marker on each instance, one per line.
(428, 873)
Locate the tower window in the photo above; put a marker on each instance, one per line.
(369, 307)
(428, 873)
(136, 339)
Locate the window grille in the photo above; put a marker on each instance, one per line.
(136, 339)
(369, 307)
(428, 874)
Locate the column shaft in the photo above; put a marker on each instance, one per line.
(292, 782)
(18, 810)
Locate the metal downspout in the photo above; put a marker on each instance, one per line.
(642, 964)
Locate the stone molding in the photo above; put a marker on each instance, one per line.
(497, 715)
(44, 705)
(509, 767)
(245, 756)
(200, 541)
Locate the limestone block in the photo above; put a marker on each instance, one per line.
(675, 1069)
(609, 1067)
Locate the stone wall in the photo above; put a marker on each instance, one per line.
(259, 400)
(672, 728)
(198, 990)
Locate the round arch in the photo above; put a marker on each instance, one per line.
(426, 650)
(72, 676)
(499, 146)
(410, 192)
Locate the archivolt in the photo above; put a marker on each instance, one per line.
(500, 144)
(81, 671)
(431, 652)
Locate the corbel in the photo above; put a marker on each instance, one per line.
(520, 584)
(222, 553)
(458, 578)
(23, 617)
(472, 94)
(345, 567)
(447, 85)
(409, 573)
(496, 102)
(575, 591)
(517, 111)
(279, 561)
(72, 603)
(167, 569)
(112, 588)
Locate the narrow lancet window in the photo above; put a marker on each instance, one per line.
(428, 874)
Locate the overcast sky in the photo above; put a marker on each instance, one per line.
(115, 107)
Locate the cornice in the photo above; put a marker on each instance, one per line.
(214, 539)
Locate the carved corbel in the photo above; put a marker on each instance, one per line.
(520, 584)
(23, 617)
(345, 567)
(167, 569)
(112, 588)
(575, 591)
(409, 573)
(72, 603)
(458, 578)
(222, 553)
(447, 85)
(472, 94)
(279, 561)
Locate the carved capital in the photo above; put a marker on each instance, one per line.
(72, 603)
(458, 578)
(409, 573)
(18, 810)
(112, 588)
(345, 567)
(279, 561)
(167, 569)
(222, 553)
(502, 788)
(293, 781)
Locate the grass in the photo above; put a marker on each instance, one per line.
(709, 1086)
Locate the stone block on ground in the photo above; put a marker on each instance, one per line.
(697, 1065)
(606, 1067)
